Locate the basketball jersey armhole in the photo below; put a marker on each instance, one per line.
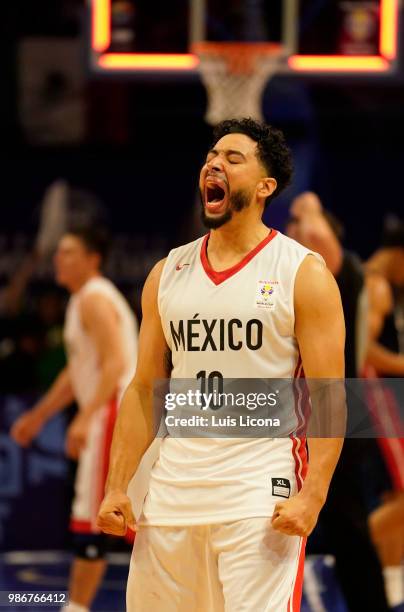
(102, 291)
(293, 285)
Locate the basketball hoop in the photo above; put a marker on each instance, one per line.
(235, 75)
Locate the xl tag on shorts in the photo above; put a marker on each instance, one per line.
(280, 487)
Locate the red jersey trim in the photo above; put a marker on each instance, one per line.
(219, 277)
(302, 410)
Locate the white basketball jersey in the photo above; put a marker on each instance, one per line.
(83, 360)
(239, 323)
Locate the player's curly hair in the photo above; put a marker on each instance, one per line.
(272, 150)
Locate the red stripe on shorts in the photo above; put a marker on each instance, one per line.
(296, 596)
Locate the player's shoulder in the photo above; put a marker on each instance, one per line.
(97, 282)
(313, 280)
(178, 257)
(99, 285)
(102, 290)
(183, 256)
(286, 243)
(96, 305)
(315, 287)
(156, 272)
(291, 254)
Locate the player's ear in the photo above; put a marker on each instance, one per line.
(266, 187)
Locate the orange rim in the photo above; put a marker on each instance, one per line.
(240, 57)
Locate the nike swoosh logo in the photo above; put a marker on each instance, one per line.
(180, 266)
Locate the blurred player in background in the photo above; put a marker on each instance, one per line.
(215, 534)
(310, 223)
(101, 341)
(385, 283)
(344, 516)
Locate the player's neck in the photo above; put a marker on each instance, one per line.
(227, 246)
(83, 280)
(236, 238)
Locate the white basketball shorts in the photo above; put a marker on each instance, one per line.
(242, 566)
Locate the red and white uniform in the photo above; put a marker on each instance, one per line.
(84, 371)
(200, 483)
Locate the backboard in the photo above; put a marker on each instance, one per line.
(325, 37)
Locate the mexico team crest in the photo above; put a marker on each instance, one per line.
(266, 294)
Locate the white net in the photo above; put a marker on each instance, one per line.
(235, 78)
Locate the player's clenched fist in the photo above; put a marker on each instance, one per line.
(115, 514)
(296, 516)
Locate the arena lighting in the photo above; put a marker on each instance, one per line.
(371, 63)
(187, 62)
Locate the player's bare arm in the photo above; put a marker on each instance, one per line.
(57, 398)
(101, 322)
(320, 332)
(380, 306)
(135, 428)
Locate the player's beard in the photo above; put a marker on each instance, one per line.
(238, 200)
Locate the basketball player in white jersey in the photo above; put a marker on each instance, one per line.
(101, 341)
(225, 519)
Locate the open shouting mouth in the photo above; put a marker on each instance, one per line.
(216, 194)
